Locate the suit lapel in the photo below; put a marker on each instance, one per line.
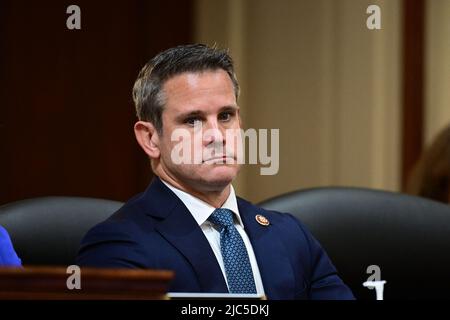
(179, 227)
(273, 259)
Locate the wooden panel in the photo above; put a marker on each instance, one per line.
(45, 283)
(413, 84)
(66, 119)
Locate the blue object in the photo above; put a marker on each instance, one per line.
(8, 257)
(235, 257)
(155, 230)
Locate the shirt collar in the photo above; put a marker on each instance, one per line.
(201, 210)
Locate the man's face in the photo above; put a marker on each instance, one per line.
(199, 103)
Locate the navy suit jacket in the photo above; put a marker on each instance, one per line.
(155, 230)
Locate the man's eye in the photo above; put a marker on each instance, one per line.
(192, 121)
(225, 116)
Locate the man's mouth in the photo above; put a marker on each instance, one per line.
(220, 159)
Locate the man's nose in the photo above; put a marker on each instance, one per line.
(213, 133)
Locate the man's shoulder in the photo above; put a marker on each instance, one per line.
(248, 206)
(280, 219)
(125, 239)
(126, 223)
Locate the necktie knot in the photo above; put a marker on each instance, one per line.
(222, 217)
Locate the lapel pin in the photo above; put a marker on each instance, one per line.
(262, 220)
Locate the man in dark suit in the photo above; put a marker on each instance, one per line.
(189, 219)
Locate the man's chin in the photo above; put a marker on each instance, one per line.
(222, 170)
(220, 177)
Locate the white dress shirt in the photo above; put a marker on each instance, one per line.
(201, 211)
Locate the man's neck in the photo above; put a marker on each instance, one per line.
(215, 198)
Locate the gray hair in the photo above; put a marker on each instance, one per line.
(148, 95)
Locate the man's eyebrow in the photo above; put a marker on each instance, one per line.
(195, 113)
(229, 108)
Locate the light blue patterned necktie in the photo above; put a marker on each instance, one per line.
(235, 257)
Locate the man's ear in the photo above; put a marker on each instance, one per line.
(148, 138)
